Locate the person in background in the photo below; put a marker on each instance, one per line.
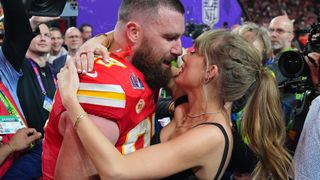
(37, 85)
(57, 49)
(198, 142)
(281, 34)
(20, 140)
(307, 154)
(256, 35)
(123, 87)
(18, 35)
(86, 31)
(73, 42)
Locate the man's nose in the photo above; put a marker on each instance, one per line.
(177, 48)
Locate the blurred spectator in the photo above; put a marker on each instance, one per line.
(281, 33)
(307, 155)
(18, 35)
(57, 49)
(256, 35)
(86, 31)
(37, 86)
(73, 40)
(302, 12)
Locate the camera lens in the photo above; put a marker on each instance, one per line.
(292, 64)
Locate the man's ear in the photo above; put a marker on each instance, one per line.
(133, 31)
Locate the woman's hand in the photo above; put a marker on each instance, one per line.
(68, 83)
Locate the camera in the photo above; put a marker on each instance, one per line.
(293, 66)
(292, 63)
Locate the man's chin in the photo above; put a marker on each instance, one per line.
(276, 47)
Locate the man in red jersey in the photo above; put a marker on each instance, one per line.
(118, 93)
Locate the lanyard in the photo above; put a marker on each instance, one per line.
(10, 108)
(36, 71)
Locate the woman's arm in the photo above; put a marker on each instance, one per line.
(189, 150)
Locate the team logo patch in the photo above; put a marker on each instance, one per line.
(140, 105)
(136, 82)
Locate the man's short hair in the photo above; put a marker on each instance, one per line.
(149, 7)
(55, 29)
(81, 28)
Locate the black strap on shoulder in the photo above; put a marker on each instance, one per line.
(226, 147)
(180, 100)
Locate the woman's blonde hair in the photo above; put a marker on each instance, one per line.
(241, 72)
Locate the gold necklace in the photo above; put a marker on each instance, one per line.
(198, 115)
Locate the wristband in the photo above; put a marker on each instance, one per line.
(78, 119)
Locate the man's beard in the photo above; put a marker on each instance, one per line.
(276, 46)
(149, 64)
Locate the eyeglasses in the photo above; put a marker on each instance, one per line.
(278, 31)
(75, 36)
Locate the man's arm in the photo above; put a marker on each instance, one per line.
(18, 33)
(73, 161)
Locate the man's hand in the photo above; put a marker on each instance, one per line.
(23, 138)
(314, 67)
(35, 21)
(94, 46)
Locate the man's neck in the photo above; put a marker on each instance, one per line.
(54, 53)
(72, 52)
(40, 58)
(119, 43)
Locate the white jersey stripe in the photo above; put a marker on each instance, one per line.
(103, 102)
(101, 87)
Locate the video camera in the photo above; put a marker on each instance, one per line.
(293, 66)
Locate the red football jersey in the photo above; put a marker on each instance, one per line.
(117, 91)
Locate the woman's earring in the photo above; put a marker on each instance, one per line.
(206, 80)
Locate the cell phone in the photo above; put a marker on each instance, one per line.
(53, 8)
(50, 8)
(70, 9)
